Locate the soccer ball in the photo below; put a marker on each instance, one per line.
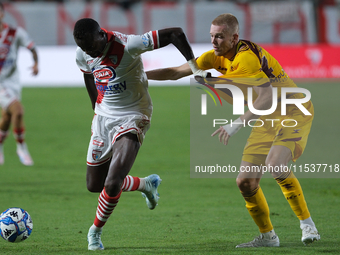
(15, 225)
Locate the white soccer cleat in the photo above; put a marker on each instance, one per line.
(261, 241)
(2, 157)
(94, 240)
(150, 193)
(24, 155)
(309, 234)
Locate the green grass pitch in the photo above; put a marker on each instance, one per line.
(194, 215)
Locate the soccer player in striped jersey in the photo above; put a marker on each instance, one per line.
(246, 64)
(12, 112)
(118, 88)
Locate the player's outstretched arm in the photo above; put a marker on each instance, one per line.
(170, 73)
(91, 88)
(177, 37)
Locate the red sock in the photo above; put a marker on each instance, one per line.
(130, 183)
(19, 134)
(106, 205)
(3, 135)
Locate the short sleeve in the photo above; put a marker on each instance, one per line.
(138, 44)
(206, 60)
(81, 62)
(24, 38)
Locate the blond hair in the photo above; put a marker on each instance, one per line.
(229, 20)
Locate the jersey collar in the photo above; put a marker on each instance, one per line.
(110, 35)
(239, 44)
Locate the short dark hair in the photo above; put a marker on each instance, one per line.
(2, 6)
(84, 27)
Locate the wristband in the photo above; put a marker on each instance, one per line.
(193, 65)
(234, 127)
(195, 70)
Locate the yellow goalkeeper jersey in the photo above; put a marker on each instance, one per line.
(251, 66)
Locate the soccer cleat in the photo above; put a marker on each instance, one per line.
(309, 234)
(150, 193)
(261, 241)
(24, 155)
(2, 157)
(94, 240)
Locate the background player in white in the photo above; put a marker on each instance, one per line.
(10, 88)
(118, 88)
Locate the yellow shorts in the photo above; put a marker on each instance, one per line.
(290, 130)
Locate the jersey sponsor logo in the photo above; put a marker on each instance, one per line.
(222, 68)
(104, 74)
(111, 89)
(96, 154)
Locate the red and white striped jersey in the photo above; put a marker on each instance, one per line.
(10, 41)
(119, 74)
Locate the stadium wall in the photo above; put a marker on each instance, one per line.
(51, 23)
(58, 67)
(289, 30)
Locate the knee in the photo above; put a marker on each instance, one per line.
(278, 157)
(95, 188)
(113, 187)
(94, 185)
(18, 114)
(247, 184)
(16, 108)
(276, 166)
(272, 161)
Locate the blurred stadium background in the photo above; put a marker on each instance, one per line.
(303, 35)
(195, 215)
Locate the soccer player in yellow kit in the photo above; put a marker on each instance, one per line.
(248, 65)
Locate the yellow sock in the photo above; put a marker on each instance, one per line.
(258, 209)
(292, 191)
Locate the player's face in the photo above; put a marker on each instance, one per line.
(93, 45)
(223, 42)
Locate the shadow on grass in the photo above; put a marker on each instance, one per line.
(229, 248)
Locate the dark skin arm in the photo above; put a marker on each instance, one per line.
(91, 88)
(177, 37)
(35, 68)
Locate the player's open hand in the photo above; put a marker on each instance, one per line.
(35, 69)
(223, 135)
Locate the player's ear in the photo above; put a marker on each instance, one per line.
(235, 39)
(102, 33)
